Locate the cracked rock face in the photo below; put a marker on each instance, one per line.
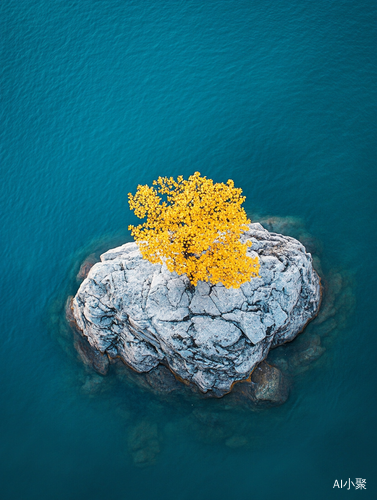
(209, 335)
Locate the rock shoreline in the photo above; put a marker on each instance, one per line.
(210, 336)
(169, 407)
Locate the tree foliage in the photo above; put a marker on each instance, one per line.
(194, 226)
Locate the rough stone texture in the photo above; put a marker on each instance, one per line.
(209, 335)
(268, 386)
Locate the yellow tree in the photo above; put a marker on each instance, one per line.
(194, 227)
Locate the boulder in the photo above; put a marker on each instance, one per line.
(208, 335)
(267, 386)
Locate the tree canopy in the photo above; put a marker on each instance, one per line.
(194, 227)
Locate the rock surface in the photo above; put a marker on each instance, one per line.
(267, 387)
(209, 335)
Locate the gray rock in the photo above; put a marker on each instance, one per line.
(210, 335)
(269, 385)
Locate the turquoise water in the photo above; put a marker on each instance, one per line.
(98, 97)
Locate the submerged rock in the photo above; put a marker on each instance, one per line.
(86, 266)
(236, 442)
(267, 387)
(210, 426)
(210, 335)
(90, 356)
(307, 352)
(144, 443)
(162, 380)
(93, 384)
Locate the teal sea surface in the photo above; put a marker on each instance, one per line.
(100, 96)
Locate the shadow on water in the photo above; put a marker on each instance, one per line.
(156, 408)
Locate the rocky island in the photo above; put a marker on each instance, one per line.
(207, 335)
